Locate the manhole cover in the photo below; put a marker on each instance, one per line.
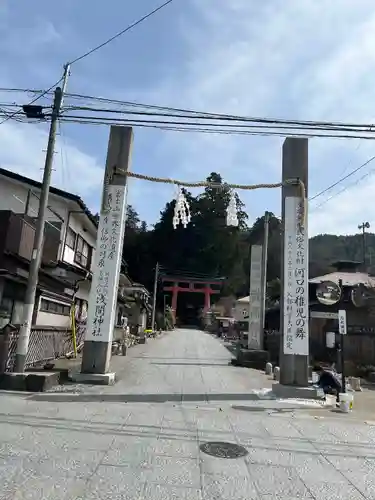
(223, 450)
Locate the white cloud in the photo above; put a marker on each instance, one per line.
(280, 58)
(305, 59)
(23, 147)
(38, 35)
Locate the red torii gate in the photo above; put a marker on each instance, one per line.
(176, 284)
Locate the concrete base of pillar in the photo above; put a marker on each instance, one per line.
(295, 392)
(96, 357)
(30, 382)
(94, 378)
(251, 358)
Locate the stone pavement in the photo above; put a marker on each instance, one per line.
(183, 364)
(97, 448)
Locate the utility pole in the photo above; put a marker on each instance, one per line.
(36, 257)
(155, 292)
(364, 226)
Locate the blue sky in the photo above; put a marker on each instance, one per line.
(281, 58)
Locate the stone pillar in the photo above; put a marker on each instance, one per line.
(107, 264)
(294, 359)
(207, 299)
(255, 327)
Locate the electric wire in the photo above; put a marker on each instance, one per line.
(88, 53)
(231, 129)
(32, 101)
(122, 32)
(170, 112)
(343, 178)
(346, 188)
(364, 128)
(202, 128)
(266, 122)
(230, 125)
(229, 116)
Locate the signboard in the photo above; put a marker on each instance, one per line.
(323, 315)
(342, 322)
(107, 262)
(255, 298)
(296, 282)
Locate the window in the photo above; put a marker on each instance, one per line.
(70, 238)
(11, 311)
(54, 307)
(6, 308)
(83, 253)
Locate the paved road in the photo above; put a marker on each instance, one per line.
(95, 448)
(186, 364)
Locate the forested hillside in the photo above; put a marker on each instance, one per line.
(208, 246)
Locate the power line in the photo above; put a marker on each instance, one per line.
(344, 189)
(370, 127)
(86, 54)
(329, 126)
(32, 102)
(343, 178)
(186, 113)
(120, 33)
(187, 123)
(267, 122)
(252, 129)
(202, 127)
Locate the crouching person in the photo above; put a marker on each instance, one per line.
(328, 381)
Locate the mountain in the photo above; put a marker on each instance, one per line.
(327, 248)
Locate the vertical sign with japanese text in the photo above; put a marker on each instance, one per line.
(296, 280)
(255, 298)
(343, 330)
(107, 263)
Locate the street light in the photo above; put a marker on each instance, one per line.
(364, 226)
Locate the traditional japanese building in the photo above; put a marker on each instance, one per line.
(360, 343)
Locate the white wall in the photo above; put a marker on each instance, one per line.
(13, 196)
(52, 319)
(47, 319)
